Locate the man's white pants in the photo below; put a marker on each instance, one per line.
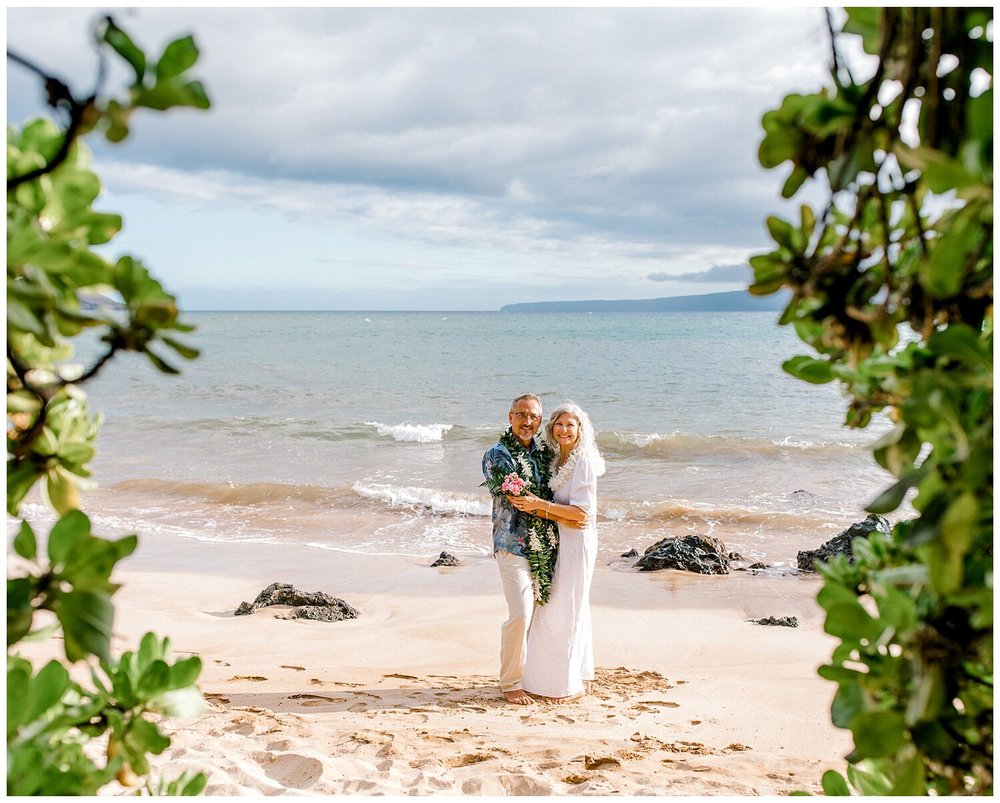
(515, 576)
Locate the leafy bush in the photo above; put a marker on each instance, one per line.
(892, 286)
(52, 229)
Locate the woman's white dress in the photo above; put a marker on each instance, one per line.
(560, 640)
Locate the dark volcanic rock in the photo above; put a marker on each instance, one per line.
(446, 560)
(630, 554)
(779, 621)
(841, 544)
(244, 609)
(691, 553)
(308, 604)
(324, 613)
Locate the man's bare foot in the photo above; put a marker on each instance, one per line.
(518, 697)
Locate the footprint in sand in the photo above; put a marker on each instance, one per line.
(240, 729)
(254, 678)
(358, 708)
(325, 701)
(304, 696)
(524, 785)
(291, 770)
(292, 666)
(401, 677)
(564, 718)
(468, 759)
(598, 762)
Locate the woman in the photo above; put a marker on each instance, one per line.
(560, 656)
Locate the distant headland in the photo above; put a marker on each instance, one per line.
(734, 301)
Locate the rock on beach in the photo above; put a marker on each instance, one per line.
(692, 553)
(316, 605)
(842, 543)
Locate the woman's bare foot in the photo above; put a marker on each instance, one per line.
(570, 699)
(518, 697)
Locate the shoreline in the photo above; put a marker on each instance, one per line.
(690, 699)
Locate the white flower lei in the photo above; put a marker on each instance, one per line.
(561, 476)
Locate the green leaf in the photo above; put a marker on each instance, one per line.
(126, 48)
(161, 364)
(834, 784)
(941, 172)
(784, 234)
(769, 273)
(86, 617)
(943, 272)
(178, 56)
(61, 490)
(185, 672)
(878, 733)
(20, 613)
(20, 479)
(809, 369)
(891, 498)
(961, 342)
(47, 689)
(185, 351)
(838, 674)
(25, 543)
(155, 678)
(910, 781)
(953, 541)
(794, 181)
(22, 318)
(850, 621)
(140, 738)
(868, 778)
(66, 534)
(150, 650)
(18, 698)
(847, 702)
(896, 608)
(865, 21)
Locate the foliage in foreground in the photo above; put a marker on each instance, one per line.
(53, 719)
(892, 285)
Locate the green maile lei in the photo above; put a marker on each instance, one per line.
(542, 541)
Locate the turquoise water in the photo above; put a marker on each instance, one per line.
(364, 431)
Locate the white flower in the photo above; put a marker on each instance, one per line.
(562, 476)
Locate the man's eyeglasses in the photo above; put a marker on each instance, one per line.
(527, 416)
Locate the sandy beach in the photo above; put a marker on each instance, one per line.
(690, 699)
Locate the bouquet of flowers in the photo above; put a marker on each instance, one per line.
(542, 539)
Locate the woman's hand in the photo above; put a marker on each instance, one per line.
(529, 503)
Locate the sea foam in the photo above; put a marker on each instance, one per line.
(437, 502)
(412, 433)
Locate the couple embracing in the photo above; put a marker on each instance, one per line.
(544, 487)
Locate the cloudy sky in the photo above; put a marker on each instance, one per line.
(446, 158)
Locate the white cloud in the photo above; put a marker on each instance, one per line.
(581, 143)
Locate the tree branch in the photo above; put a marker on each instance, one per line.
(59, 96)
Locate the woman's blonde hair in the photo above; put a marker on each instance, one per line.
(586, 443)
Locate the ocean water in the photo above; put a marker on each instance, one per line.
(364, 432)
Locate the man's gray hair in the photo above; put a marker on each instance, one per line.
(530, 396)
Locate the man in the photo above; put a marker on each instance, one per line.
(509, 532)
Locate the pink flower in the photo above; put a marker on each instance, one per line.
(513, 484)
